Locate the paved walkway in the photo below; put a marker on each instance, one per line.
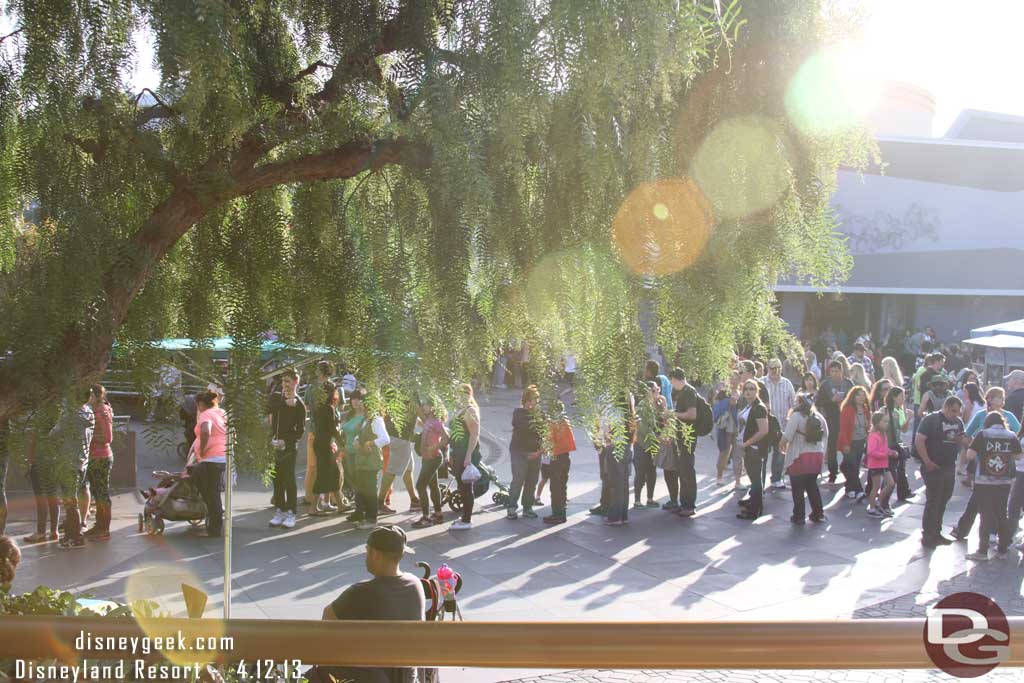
(659, 567)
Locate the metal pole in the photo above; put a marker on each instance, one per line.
(228, 481)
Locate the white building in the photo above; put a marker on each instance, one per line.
(936, 235)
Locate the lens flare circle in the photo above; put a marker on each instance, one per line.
(662, 226)
(161, 583)
(835, 89)
(742, 166)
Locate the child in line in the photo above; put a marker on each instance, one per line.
(562, 444)
(877, 461)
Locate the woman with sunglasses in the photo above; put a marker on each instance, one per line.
(752, 429)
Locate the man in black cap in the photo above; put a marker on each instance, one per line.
(391, 595)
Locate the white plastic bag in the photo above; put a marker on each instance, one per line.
(470, 474)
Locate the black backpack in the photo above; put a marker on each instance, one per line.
(813, 430)
(703, 424)
(774, 431)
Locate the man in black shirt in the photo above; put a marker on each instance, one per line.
(391, 595)
(1014, 385)
(828, 400)
(287, 424)
(684, 401)
(937, 443)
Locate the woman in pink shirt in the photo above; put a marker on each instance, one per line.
(101, 459)
(211, 455)
(877, 462)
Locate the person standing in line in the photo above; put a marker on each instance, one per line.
(974, 402)
(723, 412)
(933, 399)
(400, 462)
(809, 385)
(684, 400)
(101, 460)
(563, 443)
(652, 373)
(876, 397)
(803, 444)
(650, 422)
(937, 443)
(994, 402)
(313, 399)
(71, 437)
(854, 424)
(1014, 384)
(859, 376)
(898, 420)
(877, 457)
(366, 457)
(526, 447)
(828, 401)
(326, 448)
(211, 457)
(891, 371)
(348, 381)
(995, 449)
(287, 424)
(860, 357)
(434, 440)
(781, 398)
(618, 457)
(465, 450)
(753, 429)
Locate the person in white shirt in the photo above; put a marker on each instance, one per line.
(781, 396)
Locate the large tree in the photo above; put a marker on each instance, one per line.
(428, 176)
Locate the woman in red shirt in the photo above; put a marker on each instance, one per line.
(854, 425)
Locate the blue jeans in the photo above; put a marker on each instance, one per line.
(618, 465)
(777, 461)
(524, 481)
(851, 465)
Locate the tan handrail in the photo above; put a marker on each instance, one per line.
(885, 644)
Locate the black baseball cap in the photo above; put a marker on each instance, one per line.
(388, 539)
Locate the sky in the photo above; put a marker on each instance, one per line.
(968, 54)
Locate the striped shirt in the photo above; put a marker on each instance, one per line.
(781, 395)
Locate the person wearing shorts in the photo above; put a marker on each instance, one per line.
(398, 460)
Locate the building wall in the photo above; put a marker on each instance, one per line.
(953, 317)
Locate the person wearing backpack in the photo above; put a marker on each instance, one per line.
(803, 445)
(752, 429)
(781, 397)
(690, 408)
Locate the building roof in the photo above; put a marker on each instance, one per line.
(1014, 327)
(998, 341)
(973, 124)
(979, 164)
(996, 272)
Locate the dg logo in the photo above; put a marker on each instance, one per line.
(966, 635)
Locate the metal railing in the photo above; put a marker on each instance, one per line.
(886, 644)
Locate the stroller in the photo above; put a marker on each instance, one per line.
(174, 498)
(451, 497)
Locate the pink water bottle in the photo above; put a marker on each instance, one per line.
(447, 578)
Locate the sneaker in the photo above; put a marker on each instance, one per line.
(671, 505)
(437, 518)
(653, 504)
(888, 512)
(354, 517)
(831, 479)
(780, 486)
(608, 522)
(797, 520)
(329, 507)
(529, 514)
(818, 519)
(385, 509)
(955, 533)
(942, 540)
(366, 524)
(72, 542)
(598, 511)
(537, 502)
(978, 555)
(861, 496)
(35, 538)
(101, 535)
(686, 512)
(554, 519)
(511, 514)
(460, 525)
(278, 518)
(289, 520)
(874, 512)
(422, 522)
(852, 495)
(638, 505)
(89, 533)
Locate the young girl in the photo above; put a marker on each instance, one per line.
(877, 461)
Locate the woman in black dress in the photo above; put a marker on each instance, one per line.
(327, 474)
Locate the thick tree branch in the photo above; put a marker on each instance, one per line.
(346, 161)
(309, 71)
(11, 35)
(97, 151)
